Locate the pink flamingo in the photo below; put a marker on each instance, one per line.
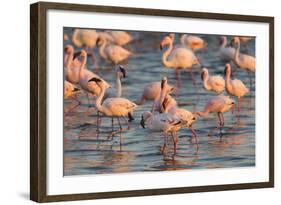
(178, 58)
(218, 104)
(234, 87)
(214, 83)
(193, 42)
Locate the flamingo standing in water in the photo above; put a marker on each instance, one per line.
(85, 75)
(243, 61)
(212, 83)
(86, 38)
(217, 104)
(178, 58)
(163, 122)
(193, 42)
(234, 87)
(226, 53)
(113, 107)
(111, 52)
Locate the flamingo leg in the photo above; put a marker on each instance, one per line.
(175, 140)
(98, 123)
(165, 142)
(192, 77)
(238, 104)
(127, 122)
(120, 132)
(194, 135)
(112, 124)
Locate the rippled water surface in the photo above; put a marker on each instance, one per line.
(84, 153)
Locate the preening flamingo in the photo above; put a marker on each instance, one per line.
(243, 61)
(85, 75)
(234, 87)
(120, 38)
(226, 53)
(113, 107)
(178, 58)
(111, 52)
(214, 83)
(163, 122)
(193, 42)
(217, 104)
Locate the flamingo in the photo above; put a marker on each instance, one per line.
(113, 107)
(163, 122)
(234, 87)
(217, 104)
(71, 66)
(111, 52)
(120, 38)
(87, 38)
(85, 75)
(243, 61)
(152, 91)
(226, 53)
(245, 39)
(169, 105)
(178, 58)
(212, 83)
(193, 42)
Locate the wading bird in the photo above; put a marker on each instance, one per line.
(214, 83)
(226, 53)
(69, 92)
(178, 58)
(113, 107)
(217, 104)
(234, 87)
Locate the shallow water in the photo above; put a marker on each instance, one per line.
(84, 153)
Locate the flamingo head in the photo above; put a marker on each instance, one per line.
(192, 119)
(223, 40)
(204, 73)
(144, 117)
(68, 49)
(164, 82)
(227, 70)
(101, 83)
(121, 71)
(166, 41)
(235, 41)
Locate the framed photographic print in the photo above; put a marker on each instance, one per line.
(135, 102)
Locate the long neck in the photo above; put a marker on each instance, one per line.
(118, 86)
(69, 59)
(203, 114)
(99, 100)
(224, 42)
(101, 50)
(205, 81)
(161, 100)
(83, 66)
(166, 54)
(237, 52)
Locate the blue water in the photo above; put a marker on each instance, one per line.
(140, 150)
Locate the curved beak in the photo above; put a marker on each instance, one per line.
(76, 90)
(161, 47)
(97, 80)
(142, 122)
(75, 55)
(123, 71)
(202, 76)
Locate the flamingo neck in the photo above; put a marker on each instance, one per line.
(118, 86)
(166, 54)
(101, 49)
(203, 114)
(223, 43)
(205, 82)
(68, 59)
(83, 66)
(237, 52)
(99, 100)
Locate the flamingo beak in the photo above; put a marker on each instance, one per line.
(76, 90)
(142, 122)
(97, 80)
(161, 47)
(202, 76)
(123, 71)
(76, 55)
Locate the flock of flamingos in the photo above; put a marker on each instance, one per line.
(165, 116)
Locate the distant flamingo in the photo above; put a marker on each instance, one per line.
(214, 83)
(163, 122)
(245, 39)
(111, 52)
(85, 75)
(243, 61)
(217, 104)
(86, 38)
(178, 58)
(234, 87)
(226, 53)
(193, 42)
(120, 38)
(152, 91)
(113, 107)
